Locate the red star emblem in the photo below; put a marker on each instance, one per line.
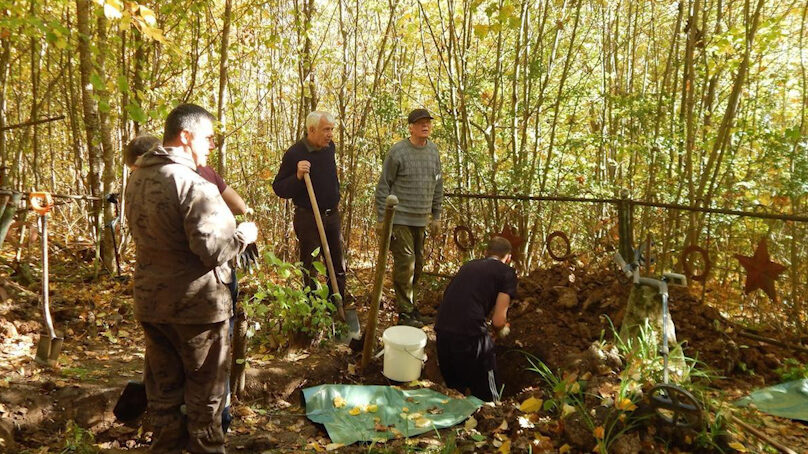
(509, 233)
(761, 272)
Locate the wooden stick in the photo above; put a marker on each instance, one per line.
(762, 436)
(776, 342)
(378, 280)
(324, 245)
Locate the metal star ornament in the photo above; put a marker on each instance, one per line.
(761, 272)
(510, 234)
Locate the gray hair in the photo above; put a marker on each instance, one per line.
(313, 119)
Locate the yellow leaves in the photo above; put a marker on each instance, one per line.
(480, 30)
(113, 9)
(148, 16)
(531, 405)
(422, 422)
(506, 447)
(470, 424)
(599, 432)
(567, 410)
(355, 411)
(372, 408)
(625, 404)
(339, 402)
(737, 446)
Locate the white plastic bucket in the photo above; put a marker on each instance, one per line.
(404, 355)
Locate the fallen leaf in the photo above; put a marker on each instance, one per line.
(435, 411)
(381, 428)
(414, 416)
(625, 404)
(405, 409)
(423, 422)
(339, 402)
(737, 446)
(372, 408)
(471, 423)
(502, 427)
(564, 449)
(567, 410)
(333, 446)
(531, 405)
(599, 432)
(355, 411)
(506, 447)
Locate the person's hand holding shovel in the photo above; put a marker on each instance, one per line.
(303, 167)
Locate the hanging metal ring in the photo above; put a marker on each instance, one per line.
(687, 265)
(467, 244)
(563, 236)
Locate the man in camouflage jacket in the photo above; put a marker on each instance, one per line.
(184, 236)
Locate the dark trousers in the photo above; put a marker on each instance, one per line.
(187, 364)
(309, 238)
(469, 363)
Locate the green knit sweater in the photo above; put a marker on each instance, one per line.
(413, 174)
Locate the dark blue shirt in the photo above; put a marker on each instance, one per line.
(323, 175)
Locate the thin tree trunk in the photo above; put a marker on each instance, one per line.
(222, 105)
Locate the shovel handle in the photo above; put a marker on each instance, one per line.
(378, 280)
(324, 245)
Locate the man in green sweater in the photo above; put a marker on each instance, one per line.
(412, 172)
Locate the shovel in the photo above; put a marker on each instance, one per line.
(348, 316)
(49, 347)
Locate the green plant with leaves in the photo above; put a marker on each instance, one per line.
(568, 398)
(78, 440)
(282, 306)
(792, 370)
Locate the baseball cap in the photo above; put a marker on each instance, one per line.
(418, 114)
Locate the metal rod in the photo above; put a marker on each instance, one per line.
(32, 122)
(672, 206)
(56, 196)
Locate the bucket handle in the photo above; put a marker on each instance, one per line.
(423, 360)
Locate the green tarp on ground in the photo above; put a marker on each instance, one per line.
(788, 400)
(397, 412)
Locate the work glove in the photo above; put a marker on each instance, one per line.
(434, 227)
(504, 331)
(247, 232)
(248, 259)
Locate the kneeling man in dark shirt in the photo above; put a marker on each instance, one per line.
(465, 347)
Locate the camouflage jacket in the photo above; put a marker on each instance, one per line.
(184, 236)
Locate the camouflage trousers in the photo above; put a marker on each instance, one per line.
(190, 365)
(407, 246)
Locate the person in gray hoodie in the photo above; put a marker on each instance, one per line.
(411, 171)
(185, 236)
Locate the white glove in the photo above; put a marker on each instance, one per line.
(248, 232)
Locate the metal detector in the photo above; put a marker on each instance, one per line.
(673, 405)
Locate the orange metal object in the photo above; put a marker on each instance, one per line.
(41, 202)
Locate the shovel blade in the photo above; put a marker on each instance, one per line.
(48, 349)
